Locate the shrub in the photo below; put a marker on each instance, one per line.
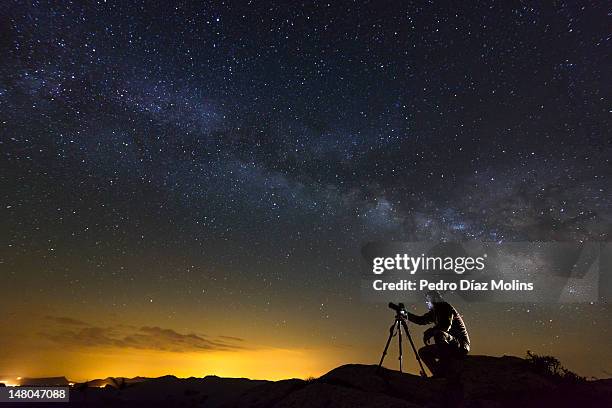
(551, 367)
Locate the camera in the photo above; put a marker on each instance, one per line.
(399, 308)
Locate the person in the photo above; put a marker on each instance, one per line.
(450, 336)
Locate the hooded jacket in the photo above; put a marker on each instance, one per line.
(447, 319)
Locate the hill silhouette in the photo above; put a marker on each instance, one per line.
(485, 382)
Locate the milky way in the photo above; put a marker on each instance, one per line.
(242, 152)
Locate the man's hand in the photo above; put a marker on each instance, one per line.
(428, 335)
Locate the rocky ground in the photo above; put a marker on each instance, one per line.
(480, 381)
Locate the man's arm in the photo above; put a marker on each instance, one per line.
(427, 318)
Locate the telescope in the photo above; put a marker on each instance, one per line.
(399, 309)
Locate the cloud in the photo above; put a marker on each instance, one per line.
(66, 320)
(232, 338)
(158, 338)
(145, 338)
(84, 337)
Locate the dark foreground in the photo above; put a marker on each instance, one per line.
(486, 382)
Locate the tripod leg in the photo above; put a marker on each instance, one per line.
(391, 333)
(399, 329)
(423, 373)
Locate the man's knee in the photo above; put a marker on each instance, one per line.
(426, 352)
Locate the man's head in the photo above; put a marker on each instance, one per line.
(431, 297)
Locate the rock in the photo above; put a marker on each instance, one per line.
(484, 377)
(325, 395)
(408, 387)
(267, 395)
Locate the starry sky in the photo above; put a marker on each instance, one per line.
(185, 187)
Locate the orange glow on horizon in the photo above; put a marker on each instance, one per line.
(268, 364)
(10, 383)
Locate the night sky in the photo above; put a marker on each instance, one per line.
(185, 188)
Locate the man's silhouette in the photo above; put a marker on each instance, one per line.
(450, 335)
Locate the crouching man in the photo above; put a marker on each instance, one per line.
(450, 337)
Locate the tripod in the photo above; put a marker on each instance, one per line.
(400, 321)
